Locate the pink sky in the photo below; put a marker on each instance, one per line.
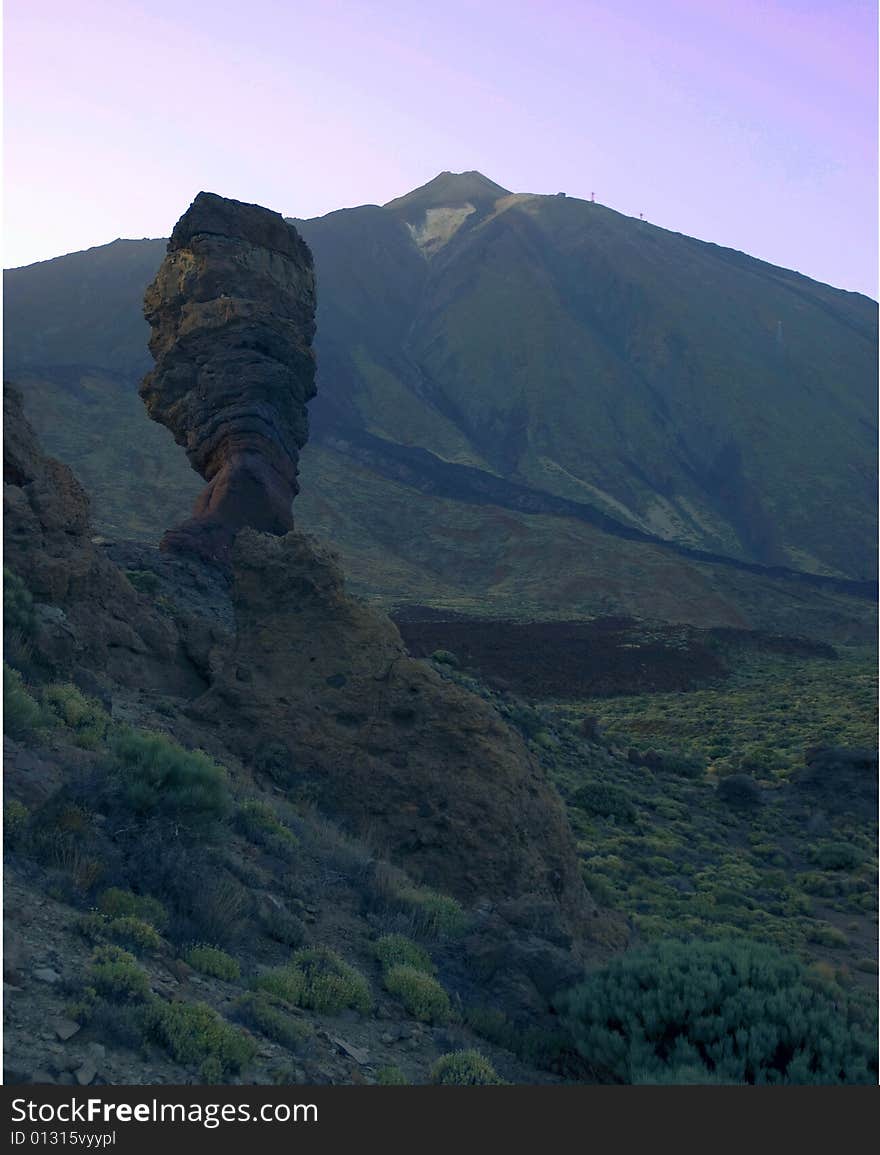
(750, 123)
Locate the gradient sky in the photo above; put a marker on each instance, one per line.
(751, 123)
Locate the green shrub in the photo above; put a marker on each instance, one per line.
(287, 983)
(395, 949)
(159, 777)
(143, 580)
(115, 975)
(210, 960)
(118, 903)
(131, 932)
(391, 1077)
(283, 927)
(22, 716)
(825, 934)
(194, 1033)
(261, 1012)
(331, 984)
(738, 1011)
(318, 979)
(18, 605)
(445, 658)
(420, 993)
(740, 791)
(465, 1069)
(836, 856)
(433, 913)
(605, 800)
(15, 820)
(86, 717)
(259, 823)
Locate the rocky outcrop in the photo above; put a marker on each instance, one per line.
(232, 314)
(88, 617)
(425, 768)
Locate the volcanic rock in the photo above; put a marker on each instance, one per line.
(428, 769)
(232, 314)
(86, 611)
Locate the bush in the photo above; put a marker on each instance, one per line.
(464, 1069)
(331, 984)
(836, 856)
(261, 1012)
(15, 820)
(22, 716)
(420, 993)
(433, 913)
(391, 1077)
(18, 605)
(318, 979)
(737, 1012)
(194, 1033)
(115, 975)
(132, 932)
(605, 800)
(86, 717)
(395, 949)
(118, 903)
(740, 791)
(158, 776)
(210, 960)
(144, 581)
(283, 927)
(259, 823)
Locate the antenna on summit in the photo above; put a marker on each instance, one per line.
(592, 198)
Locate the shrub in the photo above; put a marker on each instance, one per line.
(158, 776)
(118, 903)
(605, 800)
(739, 1012)
(318, 979)
(115, 975)
(740, 791)
(86, 717)
(22, 716)
(18, 605)
(465, 1068)
(15, 819)
(391, 1077)
(212, 961)
(433, 913)
(259, 823)
(265, 1014)
(143, 580)
(286, 983)
(836, 856)
(395, 949)
(420, 993)
(132, 932)
(283, 927)
(445, 658)
(331, 984)
(194, 1033)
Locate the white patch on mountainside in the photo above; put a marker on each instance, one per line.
(439, 226)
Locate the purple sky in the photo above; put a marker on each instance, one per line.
(751, 123)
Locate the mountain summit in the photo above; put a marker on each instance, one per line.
(448, 189)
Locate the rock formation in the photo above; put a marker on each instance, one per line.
(323, 681)
(232, 312)
(88, 615)
(427, 769)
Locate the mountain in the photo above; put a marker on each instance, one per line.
(526, 404)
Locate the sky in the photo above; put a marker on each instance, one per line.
(750, 123)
